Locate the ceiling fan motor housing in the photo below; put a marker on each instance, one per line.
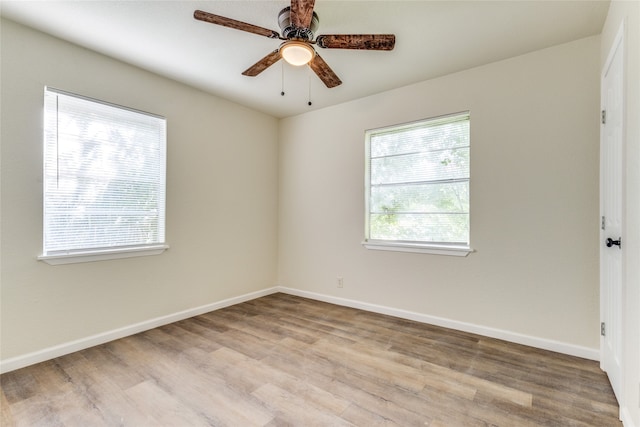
(290, 31)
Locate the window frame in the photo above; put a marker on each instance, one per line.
(439, 248)
(68, 256)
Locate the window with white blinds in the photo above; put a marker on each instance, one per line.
(417, 183)
(104, 178)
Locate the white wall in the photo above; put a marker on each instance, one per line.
(628, 12)
(534, 199)
(221, 201)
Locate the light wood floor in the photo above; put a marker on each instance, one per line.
(285, 360)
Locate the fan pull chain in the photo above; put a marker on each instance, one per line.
(309, 90)
(282, 86)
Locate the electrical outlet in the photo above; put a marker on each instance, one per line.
(340, 282)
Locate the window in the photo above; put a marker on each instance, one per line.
(104, 180)
(417, 186)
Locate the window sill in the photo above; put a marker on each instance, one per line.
(102, 255)
(422, 248)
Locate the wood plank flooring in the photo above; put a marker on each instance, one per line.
(282, 360)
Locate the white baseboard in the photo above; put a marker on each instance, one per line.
(83, 343)
(60, 350)
(557, 346)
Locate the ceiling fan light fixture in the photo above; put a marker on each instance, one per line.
(297, 53)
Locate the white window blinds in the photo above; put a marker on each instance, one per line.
(104, 176)
(418, 182)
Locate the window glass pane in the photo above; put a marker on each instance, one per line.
(418, 181)
(423, 198)
(420, 137)
(412, 227)
(104, 183)
(419, 167)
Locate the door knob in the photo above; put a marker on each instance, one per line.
(611, 242)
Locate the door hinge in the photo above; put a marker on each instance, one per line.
(602, 226)
(604, 116)
(602, 329)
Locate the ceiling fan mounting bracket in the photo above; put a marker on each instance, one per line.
(290, 31)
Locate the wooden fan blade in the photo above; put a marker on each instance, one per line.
(302, 13)
(263, 64)
(232, 23)
(357, 41)
(324, 72)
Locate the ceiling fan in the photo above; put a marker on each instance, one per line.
(298, 23)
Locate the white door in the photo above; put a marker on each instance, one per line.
(612, 215)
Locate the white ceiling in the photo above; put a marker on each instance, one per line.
(433, 38)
